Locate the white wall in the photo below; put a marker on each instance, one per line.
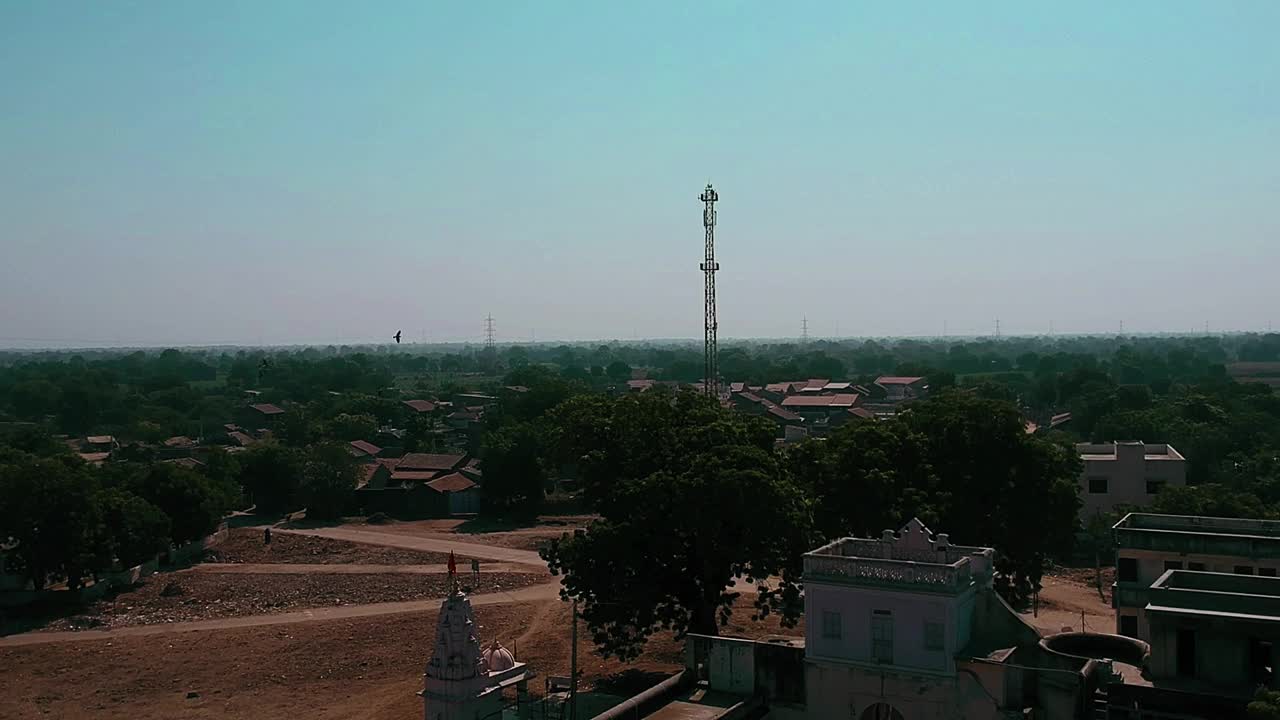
(856, 606)
(836, 691)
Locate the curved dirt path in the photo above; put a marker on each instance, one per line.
(525, 559)
(536, 593)
(426, 544)
(464, 571)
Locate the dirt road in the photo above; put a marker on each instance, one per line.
(537, 593)
(464, 571)
(441, 543)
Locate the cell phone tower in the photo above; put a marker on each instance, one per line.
(711, 360)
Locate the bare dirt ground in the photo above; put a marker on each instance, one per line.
(244, 545)
(1065, 593)
(191, 595)
(367, 668)
(532, 537)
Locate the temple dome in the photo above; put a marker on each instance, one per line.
(498, 658)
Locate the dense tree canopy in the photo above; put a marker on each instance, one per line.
(696, 500)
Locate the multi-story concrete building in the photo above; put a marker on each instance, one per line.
(1215, 631)
(1126, 473)
(1149, 545)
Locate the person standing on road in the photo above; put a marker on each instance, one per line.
(475, 570)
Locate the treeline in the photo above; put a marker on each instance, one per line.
(692, 497)
(64, 519)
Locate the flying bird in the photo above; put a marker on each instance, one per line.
(397, 337)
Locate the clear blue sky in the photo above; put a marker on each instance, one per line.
(280, 172)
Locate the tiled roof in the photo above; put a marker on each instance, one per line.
(897, 380)
(518, 388)
(845, 399)
(640, 385)
(737, 387)
(778, 387)
(749, 397)
(100, 439)
(240, 438)
(413, 475)
(452, 482)
(268, 409)
(428, 461)
(862, 413)
(420, 405)
(807, 400)
(186, 462)
(783, 413)
(94, 458)
(365, 448)
(178, 441)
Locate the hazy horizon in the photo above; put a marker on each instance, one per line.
(239, 173)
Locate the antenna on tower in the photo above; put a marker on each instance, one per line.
(804, 329)
(488, 334)
(711, 359)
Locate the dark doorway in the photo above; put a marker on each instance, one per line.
(881, 711)
(1261, 671)
(1129, 625)
(1187, 653)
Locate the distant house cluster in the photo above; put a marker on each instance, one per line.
(815, 407)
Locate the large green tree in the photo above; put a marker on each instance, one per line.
(136, 529)
(962, 463)
(49, 511)
(514, 459)
(194, 504)
(271, 475)
(698, 503)
(329, 478)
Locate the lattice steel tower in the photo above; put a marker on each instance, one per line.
(488, 334)
(711, 359)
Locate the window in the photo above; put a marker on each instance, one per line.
(1154, 486)
(1129, 625)
(1127, 570)
(831, 627)
(1267, 572)
(1243, 570)
(933, 635)
(1198, 567)
(1172, 564)
(882, 636)
(1097, 485)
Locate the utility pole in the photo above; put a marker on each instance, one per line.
(711, 359)
(573, 666)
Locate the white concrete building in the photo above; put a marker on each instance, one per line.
(884, 621)
(1126, 473)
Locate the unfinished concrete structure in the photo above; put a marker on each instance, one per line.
(1148, 545)
(1126, 473)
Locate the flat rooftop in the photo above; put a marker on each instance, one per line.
(1188, 594)
(1113, 451)
(1199, 524)
(913, 556)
